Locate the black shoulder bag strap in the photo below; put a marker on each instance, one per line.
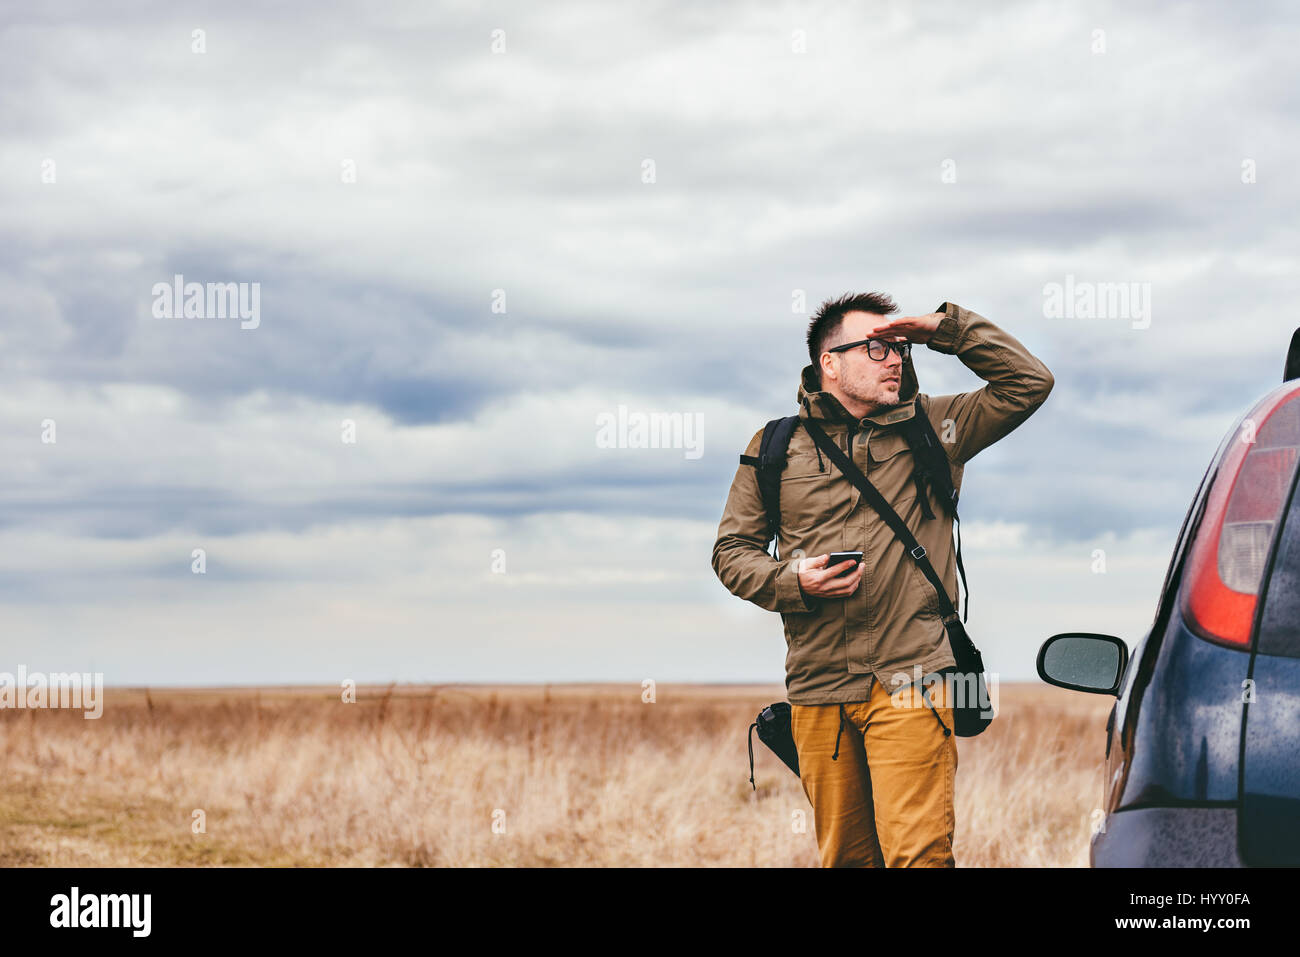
(964, 651)
(878, 502)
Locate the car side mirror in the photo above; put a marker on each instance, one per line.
(1083, 662)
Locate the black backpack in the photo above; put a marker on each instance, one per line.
(932, 472)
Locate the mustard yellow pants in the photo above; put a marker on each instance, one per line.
(886, 800)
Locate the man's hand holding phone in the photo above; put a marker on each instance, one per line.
(819, 578)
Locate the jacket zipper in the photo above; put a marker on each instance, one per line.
(852, 430)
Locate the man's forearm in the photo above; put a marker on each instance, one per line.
(1018, 381)
(750, 573)
(993, 354)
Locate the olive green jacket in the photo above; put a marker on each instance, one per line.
(891, 624)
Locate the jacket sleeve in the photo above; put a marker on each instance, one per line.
(740, 557)
(1018, 383)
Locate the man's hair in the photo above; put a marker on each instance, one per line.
(825, 325)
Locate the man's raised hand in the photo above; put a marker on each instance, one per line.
(912, 328)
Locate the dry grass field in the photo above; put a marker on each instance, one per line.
(571, 776)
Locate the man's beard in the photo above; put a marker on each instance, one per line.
(879, 398)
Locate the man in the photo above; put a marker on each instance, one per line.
(879, 776)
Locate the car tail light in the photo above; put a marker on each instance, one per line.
(1242, 510)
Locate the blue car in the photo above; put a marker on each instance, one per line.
(1203, 741)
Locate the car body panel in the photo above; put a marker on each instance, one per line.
(1168, 837)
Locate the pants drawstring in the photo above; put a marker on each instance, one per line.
(751, 755)
(947, 732)
(933, 711)
(843, 718)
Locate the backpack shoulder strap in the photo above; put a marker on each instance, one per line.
(933, 466)
(932, 463)
(769, 463)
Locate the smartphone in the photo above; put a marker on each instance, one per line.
(837, 557)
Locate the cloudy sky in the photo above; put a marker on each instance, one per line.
(475, 228)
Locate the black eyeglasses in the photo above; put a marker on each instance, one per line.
(878, 349)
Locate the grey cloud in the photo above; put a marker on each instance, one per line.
(775, 173)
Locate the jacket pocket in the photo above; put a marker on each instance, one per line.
(887, 446)
(928, 600)
(913, 592)
(804, 492)
(891, 467)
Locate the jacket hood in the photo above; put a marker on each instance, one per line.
(815, 403)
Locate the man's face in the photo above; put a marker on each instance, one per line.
(856, 374)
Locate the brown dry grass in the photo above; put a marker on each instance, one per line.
(585, 775)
